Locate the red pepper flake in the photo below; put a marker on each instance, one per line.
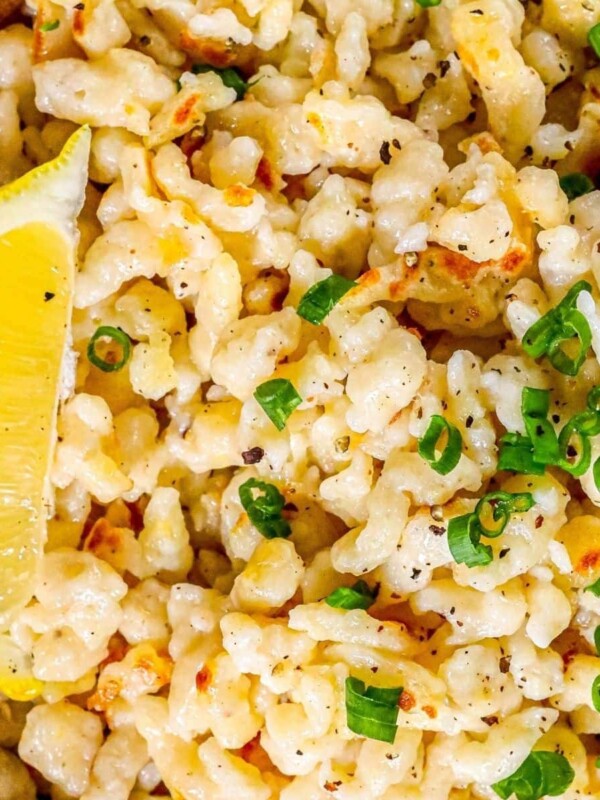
(203, 679)
(539, 521)
(430, 711)
(407, 700)
(491, 720)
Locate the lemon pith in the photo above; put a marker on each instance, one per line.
(37, 263)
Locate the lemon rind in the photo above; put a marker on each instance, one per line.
(45, 194)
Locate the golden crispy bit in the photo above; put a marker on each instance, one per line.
(238, 196)
(216, 52)
(54, 31)
(446, 290)
(581, 537)
(203, 679)
(144, 670)
(110, 543)
(254, 753)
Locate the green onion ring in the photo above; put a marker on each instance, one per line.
(463, 540)
(587, 423)
(540, 334)
(503, 504)
(573, 324)
(450, 455)
(570, 431)
(119, 337)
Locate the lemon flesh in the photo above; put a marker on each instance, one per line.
(37, 263)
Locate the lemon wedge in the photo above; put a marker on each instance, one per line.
(38, 238)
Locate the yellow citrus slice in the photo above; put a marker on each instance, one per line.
(38, 238)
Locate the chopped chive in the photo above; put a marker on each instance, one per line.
(596, 693)
(372, 711)
(428, 3)
(597, 762)
(231, 77)
(263, 502)
(597, 639)
(576, 183)
(594, 588)
(277, 398)
(542, 774)
(450, 455)
(50, 26)
(357, 596)
(116, 335)
(321, 298)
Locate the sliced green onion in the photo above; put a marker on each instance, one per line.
(428, 3)
(116, 335)
(562, 323)
(264, 503)
(594, 38)
(596, 473)
(463, 540)
(576, 183)
(583, 451)
(571, 450)
(596, 693)
(277, 398)
(50, 26)
(597, 639)
(357, 596)
(594, 588)
(587, 423)
(542, 774)
(539, 335)
(499, 506)
(571, 296)
(593, 399)
(231, 77)
(450, 455)
(535, 404)
(574, 325)
(516, 455)
(465, 532)
(371, 711)
(321, 298)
